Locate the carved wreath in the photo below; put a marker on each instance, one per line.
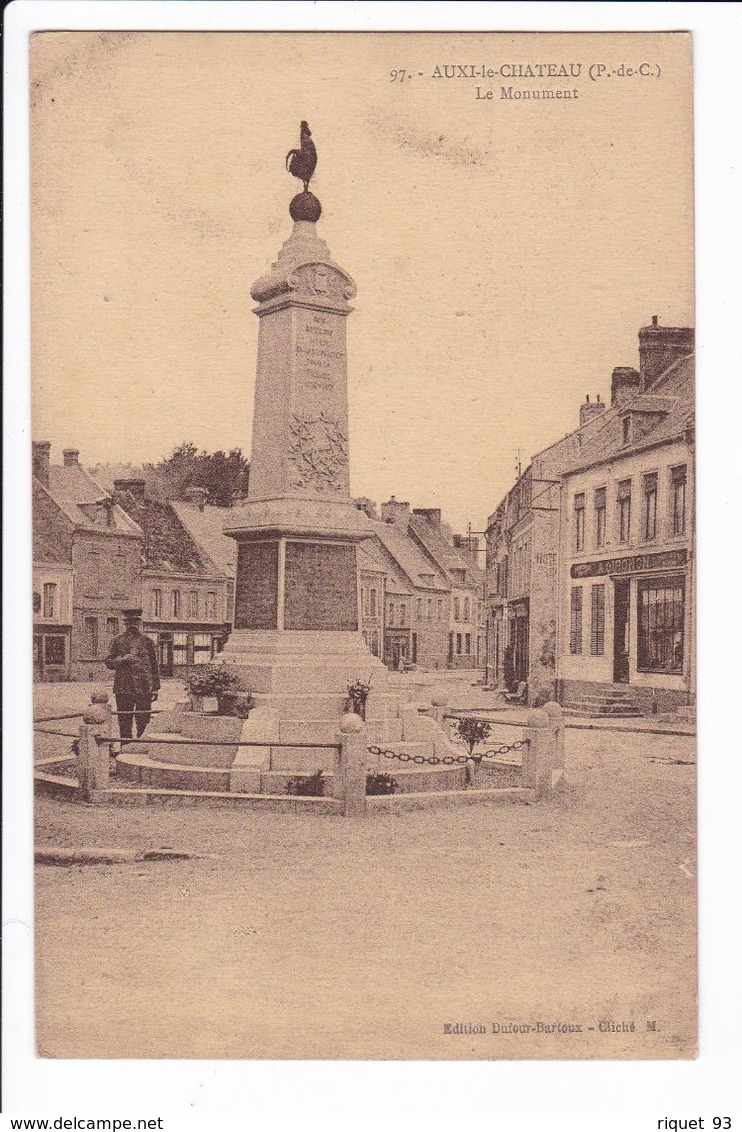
(318, 452)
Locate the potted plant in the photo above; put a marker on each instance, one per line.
(358, 694)
(209, 683)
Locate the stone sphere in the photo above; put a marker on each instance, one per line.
(350, 722)
(305, 206)
(99, 698)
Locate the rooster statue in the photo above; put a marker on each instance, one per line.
(302, 162)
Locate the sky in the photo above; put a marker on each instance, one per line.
(505, 252)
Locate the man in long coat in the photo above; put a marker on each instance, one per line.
(137, 680)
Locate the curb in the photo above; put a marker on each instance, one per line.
(109, 856)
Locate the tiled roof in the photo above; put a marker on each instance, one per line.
(206, 527)
(447, 556)
(413, 561)
(672, 396)
(76, 493)
(168, 545)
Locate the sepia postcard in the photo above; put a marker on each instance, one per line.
(364, 578)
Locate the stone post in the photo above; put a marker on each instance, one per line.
(438, 706)
(92, 757)
(350, 776)
(556, 716)
(539, 753)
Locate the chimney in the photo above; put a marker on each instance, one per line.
(431, 514)
(137, 488)
(468, 546)
(625, 382)
(590, 409)
(659, 347)
(71, 457)
(41, 452)
(395, 512)
(196, 496)
(367, 506)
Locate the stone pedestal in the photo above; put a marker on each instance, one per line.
(296, 623)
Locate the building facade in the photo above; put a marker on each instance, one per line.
(185, 595)
(627, 584)
(52, 620)
(79, 527)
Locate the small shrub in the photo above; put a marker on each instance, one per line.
(311, 786)
(211, 680)
(472, 732)
(379, 783)
(238, 704)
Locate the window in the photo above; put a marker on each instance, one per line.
(626, 430)
(175, 597)
(391, 612)
(450, 646)
(467, 644)
(467, 609)
(430, 609)
(650, 506)
(661, 620)
(402, 613)
(180, 648)
(440, 609)
(375, 642)
(624, 511)
(90, 643)
(211, 605)
(419, 609)
(202, 648)
(575, 621)
(458, 644)
(597, 621)
(50, 600)
(677, 479)
(54, 650)
(456, 609)
(96, 572)
(157, 603)
(414, 648)
(600, 516)
(193, 605)
(373, 605)
(112, 626)
(580, 521)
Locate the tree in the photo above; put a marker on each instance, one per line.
(224, 476)
(471, 732)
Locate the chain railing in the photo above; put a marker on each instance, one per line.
(447, 760)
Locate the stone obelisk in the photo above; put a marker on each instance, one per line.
(296, 621)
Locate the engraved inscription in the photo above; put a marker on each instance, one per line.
(321, 590)
(256, 592)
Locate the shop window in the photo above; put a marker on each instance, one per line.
(193, 605)
(211, 605)
(661, 625)
(54, 650)
(650, 506)
(600, 517)
(90, 640)
(580, 521)
(597, 621)
(624, 511)
(50, 600)
(180, 648)
(202, 648)
(678, 480)
(575, 621)
(175, 603)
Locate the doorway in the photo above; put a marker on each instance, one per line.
(165, 649)
(621, 605)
